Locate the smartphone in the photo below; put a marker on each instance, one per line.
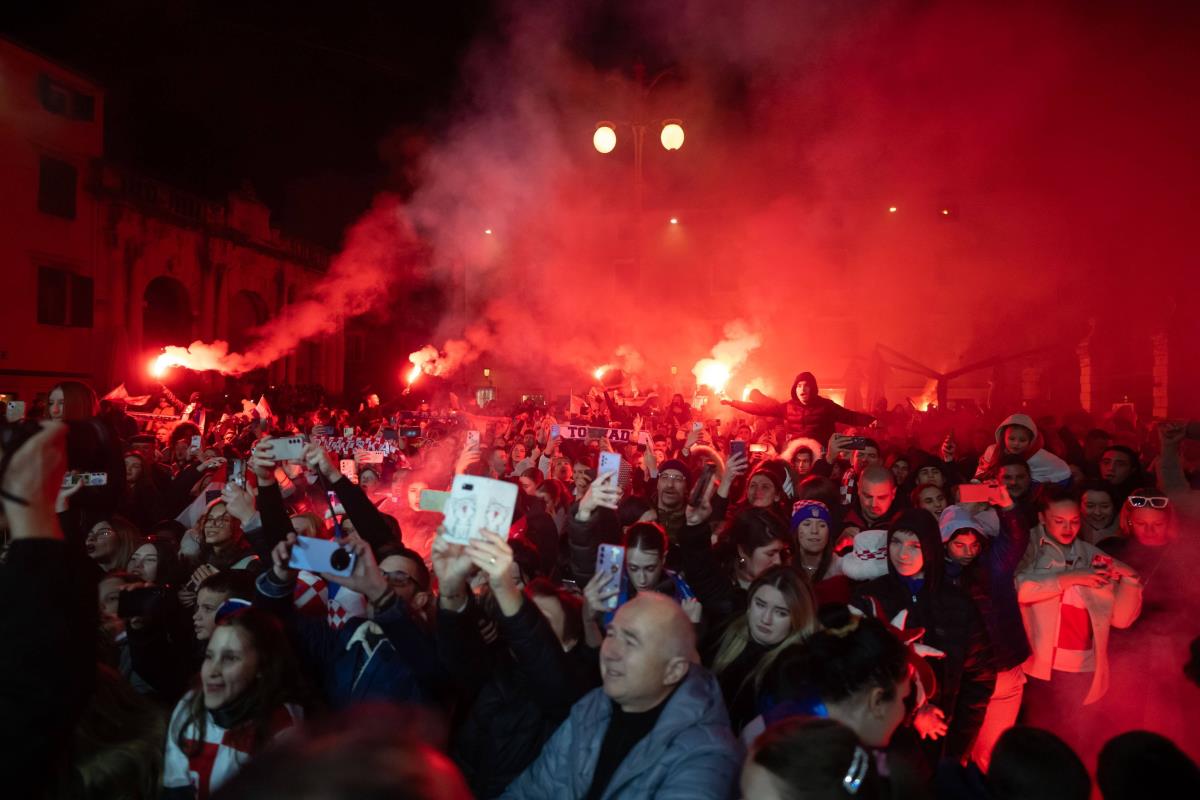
(368, 457)
(237, 472)
(974, 492)
(143, 601)
(433, 500)
(473, 439)
(609, 462)
(348, 433)
(15, 411)
(702, 484)
(554, 431)
(855, 443)
(288, 448)
(411, 431)
(321, 555)
(737, 447)
(610, 560)
(86, 478)
(349, 468)
(758, 448)
(390, 435)
(195, 442)
(477, 504)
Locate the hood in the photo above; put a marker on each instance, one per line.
(923, 524)
(802, 378)
(1025, 421)
(954, 519)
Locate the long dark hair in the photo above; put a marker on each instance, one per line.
(277, 683)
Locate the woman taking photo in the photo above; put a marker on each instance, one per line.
(244, 698)
(781, 612)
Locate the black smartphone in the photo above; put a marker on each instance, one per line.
(737, 446)
(855, 443)
(702, 483)
(141, 602)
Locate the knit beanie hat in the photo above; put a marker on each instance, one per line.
(810, 509)
(676, 464)
(775, 471)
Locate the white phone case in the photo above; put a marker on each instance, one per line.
(313, 555)
(476, 504)
(288, 448)
(609, 462)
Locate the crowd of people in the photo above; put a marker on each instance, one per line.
(808, 601)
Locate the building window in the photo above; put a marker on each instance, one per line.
(56, 188)
(66, 102)
(64, 298)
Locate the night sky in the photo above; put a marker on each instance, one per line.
(314, 104)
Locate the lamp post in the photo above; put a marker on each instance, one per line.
(671, 136)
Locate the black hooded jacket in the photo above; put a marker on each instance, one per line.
(966, 676)
(816, 420)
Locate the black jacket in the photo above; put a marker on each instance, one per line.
(989, 580)
(966, 676)
(47, 660)
(522, 692)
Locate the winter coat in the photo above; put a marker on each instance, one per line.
(989, 581)
(1116, 605)
(690, 754)
(816, 420)
(966, 676)
(522, 693)
(1044, 466)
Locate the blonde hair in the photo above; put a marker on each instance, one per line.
(802, 608)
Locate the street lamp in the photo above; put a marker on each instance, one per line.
(671, 135)
(605, 137)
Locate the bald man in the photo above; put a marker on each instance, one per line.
(656, 729)
(874, 503)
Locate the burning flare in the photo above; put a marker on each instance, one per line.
(711, 373)
(598, 373)
(728, 355)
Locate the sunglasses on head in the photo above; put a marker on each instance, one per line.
(1137, 501)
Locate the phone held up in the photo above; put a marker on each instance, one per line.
(610, 561)
(478, 504)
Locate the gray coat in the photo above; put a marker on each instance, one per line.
(690, 754)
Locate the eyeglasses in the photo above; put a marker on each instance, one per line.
(400, 579)
(1137, 501)
(100, 534)
(215, 522)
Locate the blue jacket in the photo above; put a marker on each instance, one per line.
(690, 754)
(399, 669)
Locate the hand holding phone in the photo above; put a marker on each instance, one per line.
(610, 561)
(475, 504)
(974, 493)
(609, 462)
(288, 448)
(321, 555)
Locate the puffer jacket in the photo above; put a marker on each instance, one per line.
(690, 754)
(816, 420)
